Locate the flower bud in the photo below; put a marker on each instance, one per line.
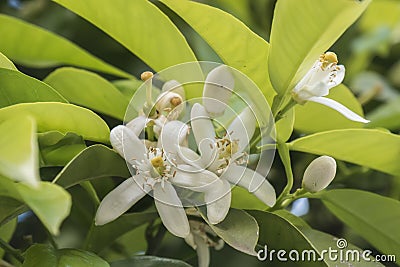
(319, 174)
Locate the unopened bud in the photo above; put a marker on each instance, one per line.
(319, 174)
(146, 75)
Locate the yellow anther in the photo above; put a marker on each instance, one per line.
(157, 162)
(327, 59)
(175, 101)
(146, 75)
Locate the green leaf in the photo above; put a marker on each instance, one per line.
(57, 149)
(323, 241)
(88, 89)
(16, 87)
(52, 116)
(9, 208)
(313, 117)
(102, 236)
(6, 63)
(6, 232)
(46, 256)
(293, 219)
(127, 87)
(386, 116)
(33, 46)
(239, 230)
(157, 41)
(301, 31)
(243, 199)
(150, 261)
(374, 217)
(94, 162)
(232, 40)
(375, 149)
(48, 201)
(19, 150)
(277, 233)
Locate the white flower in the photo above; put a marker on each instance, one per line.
(323, 75)
(319, 174)
(224, 156)
(157, 171)
(200, 241)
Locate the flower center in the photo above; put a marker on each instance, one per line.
(157, 169)
(227, 152)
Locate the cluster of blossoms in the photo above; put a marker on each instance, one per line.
(165, 163)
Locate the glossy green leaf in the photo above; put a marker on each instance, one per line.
(88, 89)
(150, 261)
(239, 230)
(232, 40)
(52, 116)
(301, 31)
(128, 87)
(157, 41)
(277, 233)
(9, 208)
(46, 256)
(19, 150)
(375, 149)
(382, 13)
(293, 219)
(57, 149)
(16, 87)
(94, 162)
(386, 116)
(6, 232)
(323, 241)
(48, 201)
(33, 46)
(313, 117)
(103, 236)
(374, 217)
(242, 199)
(6, 63)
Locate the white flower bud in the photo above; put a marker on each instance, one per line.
(319, 174)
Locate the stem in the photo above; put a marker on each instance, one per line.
(284, 154)
(289, 106)
(12, 251)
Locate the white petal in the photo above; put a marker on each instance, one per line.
(120, 200)
(208, 151)
(188, 156)
(190, 241)
(191, 178)
(127, 144)
(202, 126)
(339, 107)
(203, 252)
(137, 125)
(242, 128)
(170, 209)
(217, 90)
(218, 201)
(252, 181)
(172, 135)
(339, 76)
(306, 78)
